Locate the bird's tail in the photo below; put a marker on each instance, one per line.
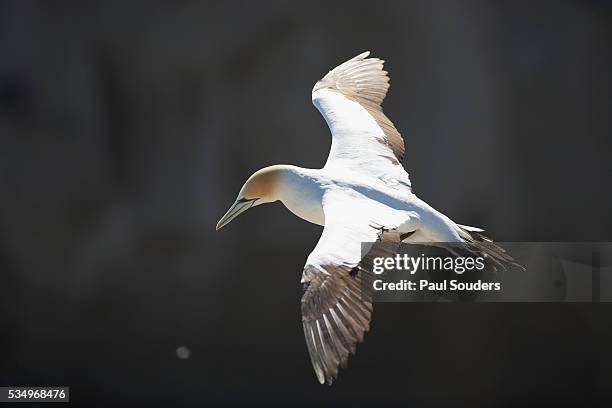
(478, 244)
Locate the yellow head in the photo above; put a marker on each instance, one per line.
(262, 187)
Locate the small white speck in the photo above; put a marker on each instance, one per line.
(183, 353)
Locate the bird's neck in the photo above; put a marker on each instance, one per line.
(292, 180)
(301, 191)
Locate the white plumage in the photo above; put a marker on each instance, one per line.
(362, 194)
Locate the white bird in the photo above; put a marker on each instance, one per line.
(361, 195)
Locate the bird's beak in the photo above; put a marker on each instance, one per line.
(235, 210)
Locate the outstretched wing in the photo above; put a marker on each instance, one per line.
(350, 99)
(337, 277)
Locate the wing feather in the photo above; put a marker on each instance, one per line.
(364, 81)
(337, 302)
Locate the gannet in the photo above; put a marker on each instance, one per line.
(361, 195)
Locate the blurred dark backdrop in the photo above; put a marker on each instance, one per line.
(127, 129)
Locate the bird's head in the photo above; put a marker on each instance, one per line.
(262, 187)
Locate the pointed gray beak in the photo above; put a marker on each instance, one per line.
(235, 210)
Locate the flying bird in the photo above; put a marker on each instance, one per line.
(361, 195)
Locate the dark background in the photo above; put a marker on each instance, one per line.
(127, 129)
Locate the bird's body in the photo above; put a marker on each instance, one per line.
(363, 197)
(305, 190)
